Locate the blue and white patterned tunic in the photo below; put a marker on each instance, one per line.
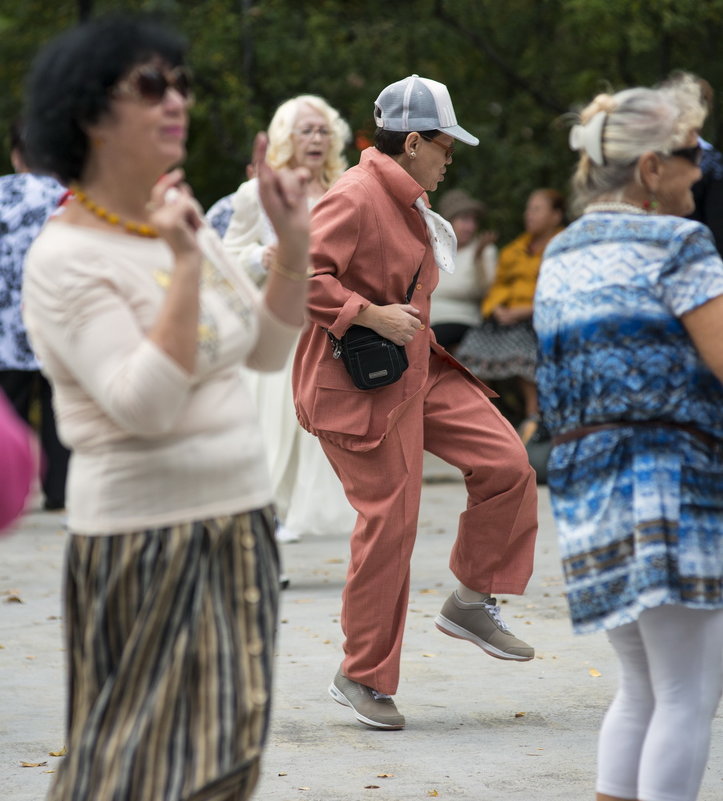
(26, 201)
(639, 510)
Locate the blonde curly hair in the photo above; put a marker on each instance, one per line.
(637, 121)
(281, 145)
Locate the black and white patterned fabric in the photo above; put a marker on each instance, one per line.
(26, 201)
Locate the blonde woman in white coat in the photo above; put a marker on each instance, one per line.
(305, 131)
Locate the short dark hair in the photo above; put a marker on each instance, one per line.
(70, 80)
(391, 143)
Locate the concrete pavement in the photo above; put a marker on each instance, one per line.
(477, 728)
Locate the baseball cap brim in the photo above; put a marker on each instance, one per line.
(458, 132)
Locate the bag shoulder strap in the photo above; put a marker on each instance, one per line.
(410, 290)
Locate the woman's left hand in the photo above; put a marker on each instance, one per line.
(283, 194)
(505, 316)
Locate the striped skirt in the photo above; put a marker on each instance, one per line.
(170, 636)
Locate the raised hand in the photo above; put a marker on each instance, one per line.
(283, 194)
(175, 213)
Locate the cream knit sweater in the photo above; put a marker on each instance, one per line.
(151, 445)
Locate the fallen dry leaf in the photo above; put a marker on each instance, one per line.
(60, 752)
(48, 771)
(428, 592)
(385, 775)
(303, 788)
(334, 561)
(520, 714)
(429, 656)
(283, 773)
(371, 786)
(14, 599)
(32, 764)
(594, 673)
(432, 793)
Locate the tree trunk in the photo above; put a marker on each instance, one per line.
(85, 9)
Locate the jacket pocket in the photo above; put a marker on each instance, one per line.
(338, 405)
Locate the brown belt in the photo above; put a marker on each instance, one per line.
(577, 433)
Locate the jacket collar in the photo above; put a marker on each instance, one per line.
(396, 180)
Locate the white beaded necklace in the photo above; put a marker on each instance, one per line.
(614, 205)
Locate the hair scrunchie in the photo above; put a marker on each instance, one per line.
(588, 137)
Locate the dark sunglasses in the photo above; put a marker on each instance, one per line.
(692, 154)
(150, 82)
(448, 149)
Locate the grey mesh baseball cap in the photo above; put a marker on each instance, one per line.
(419, 104)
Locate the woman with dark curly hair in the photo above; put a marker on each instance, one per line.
(171, 584)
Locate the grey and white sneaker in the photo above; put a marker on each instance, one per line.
(482, 624)
(370, 707)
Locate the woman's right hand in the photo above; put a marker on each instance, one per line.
(176, 215)
(398, 322)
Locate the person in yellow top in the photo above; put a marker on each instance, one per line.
(504, 345)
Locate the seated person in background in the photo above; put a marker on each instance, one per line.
(504, 345)
(457, 298)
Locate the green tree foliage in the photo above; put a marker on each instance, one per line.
(515, 68)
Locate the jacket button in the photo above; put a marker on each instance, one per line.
(419, 286)
(422, 327)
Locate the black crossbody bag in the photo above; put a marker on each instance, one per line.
(370, 359)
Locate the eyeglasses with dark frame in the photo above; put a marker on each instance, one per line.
(149, 83)
(448, 149)
(692, 154)
(309, 132)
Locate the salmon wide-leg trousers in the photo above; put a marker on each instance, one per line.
(452, 418)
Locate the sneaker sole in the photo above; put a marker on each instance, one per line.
(340, 698)
(453, 630)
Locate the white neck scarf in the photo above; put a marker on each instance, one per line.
(441, 236)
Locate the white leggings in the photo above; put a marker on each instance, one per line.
(655, 738)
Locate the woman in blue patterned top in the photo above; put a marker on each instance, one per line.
(629, 316)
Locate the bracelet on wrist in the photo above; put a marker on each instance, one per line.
(292, 275)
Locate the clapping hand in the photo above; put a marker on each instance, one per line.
(283, 194)
(175, 213)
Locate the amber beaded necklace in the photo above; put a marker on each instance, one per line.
(140, 229)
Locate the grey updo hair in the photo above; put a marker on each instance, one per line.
(637, 121)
